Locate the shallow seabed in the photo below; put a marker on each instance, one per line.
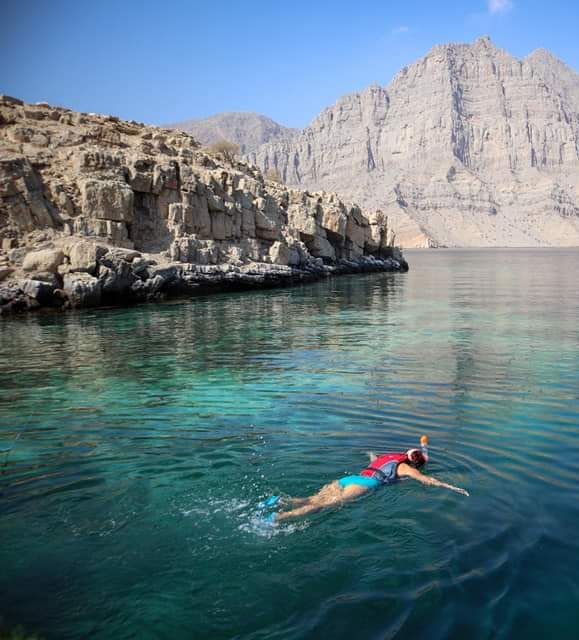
(135, 445)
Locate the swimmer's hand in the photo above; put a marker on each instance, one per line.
(406, 470)
(437, 483)
(445, 485)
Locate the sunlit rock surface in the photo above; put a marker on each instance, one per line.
(468, 146)
(102, 210)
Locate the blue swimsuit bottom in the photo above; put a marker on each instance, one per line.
(362, 481)
(387, 473)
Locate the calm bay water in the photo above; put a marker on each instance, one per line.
(135, 445)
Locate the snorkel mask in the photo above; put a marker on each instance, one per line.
(423, 449)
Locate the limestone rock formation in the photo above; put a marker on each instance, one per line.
(468, 146)
(248, 130)
(96, 210)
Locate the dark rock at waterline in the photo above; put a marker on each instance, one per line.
(119, 282)
(42, 293)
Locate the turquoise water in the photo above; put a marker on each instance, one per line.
(135, 445)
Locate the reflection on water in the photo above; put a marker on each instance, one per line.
(135, 445)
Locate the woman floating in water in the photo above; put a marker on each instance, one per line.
(384, 469)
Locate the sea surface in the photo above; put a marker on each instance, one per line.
(136, 444)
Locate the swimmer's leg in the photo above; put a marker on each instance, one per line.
(299, 512)
(328, 496)
(354, 491)
(297, 501)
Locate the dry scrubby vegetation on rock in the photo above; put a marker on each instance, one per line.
(94, 210)
(226, 149)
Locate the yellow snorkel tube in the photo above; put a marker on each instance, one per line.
(424, 446)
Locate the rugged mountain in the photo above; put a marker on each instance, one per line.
(468, 146)
(97, 210)
(556, 74)
(248, 130)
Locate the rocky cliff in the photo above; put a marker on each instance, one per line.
(248, 130)
(95, 210)
(469, 146)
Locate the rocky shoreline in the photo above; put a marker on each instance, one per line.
(96, 211)
(125, 278)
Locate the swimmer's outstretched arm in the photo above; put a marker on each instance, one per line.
(410, 472)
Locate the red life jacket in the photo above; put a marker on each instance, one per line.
(383, 468)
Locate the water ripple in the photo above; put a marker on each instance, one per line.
(135, 446)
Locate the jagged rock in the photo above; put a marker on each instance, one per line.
(14, 300)
(113, 232)
(265, 227)
(321, 248)
(298, 254)
(167, 273)
(83, 255)
(54, 279)
(4, 99)
(200, 221)
(116, 281)
(141, 176)
(130, 255)
(5, 272)
(140, 266)
(21, 195)
(107, 200)
(82, 289)
(221, 225)
(152, 285)
(42, 292)
(165, 177)
(279, 253)
(45, 260)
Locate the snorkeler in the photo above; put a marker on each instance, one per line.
(383, 469)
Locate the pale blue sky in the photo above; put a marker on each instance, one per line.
(168, 61)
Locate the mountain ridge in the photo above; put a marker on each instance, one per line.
(246, 128)
(467, 146)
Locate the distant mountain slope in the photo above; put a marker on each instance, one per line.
(468, 146)
(248, 130)
(556, 74)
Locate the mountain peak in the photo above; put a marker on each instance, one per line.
(248, 129)
(544, 56)
(483, 41)
(457, 130)
(483, 44)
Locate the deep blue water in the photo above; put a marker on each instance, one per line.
(135, 445)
